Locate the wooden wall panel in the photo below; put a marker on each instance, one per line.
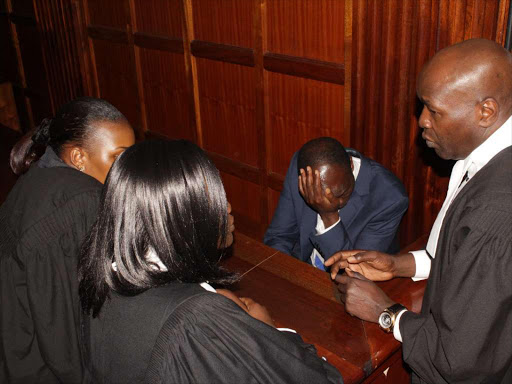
(166, 93)
(300, 110)
(224, 21)
(8, 68)
(314, 29)
(251, 81)
(23, 8)
(30, 46)
(112, 13)
(391, 41)
(116, 78)
(244, 197)
(228, 110)
(160, 17)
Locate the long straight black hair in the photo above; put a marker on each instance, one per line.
(160, 196)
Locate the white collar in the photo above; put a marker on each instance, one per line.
(356, 162)
(481, 155)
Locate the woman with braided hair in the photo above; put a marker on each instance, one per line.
(43, 221)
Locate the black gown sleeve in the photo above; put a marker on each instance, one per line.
(209, 339)
(42, 310)
(467, 334)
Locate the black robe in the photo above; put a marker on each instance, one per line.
(464, 331)
(183, 334)
(42, 224)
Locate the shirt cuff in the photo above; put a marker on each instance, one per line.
(320, 228)
(286, 330)
(423, 264)
(396, 327)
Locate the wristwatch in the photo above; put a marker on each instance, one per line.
(387, 318)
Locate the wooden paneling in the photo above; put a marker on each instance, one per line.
(159, 17)
(300, 110)
(224, 21)
(307, 28)
(23, 8)
(116, 77)
(251, 81)
(112, 13)
(166, 93)
(8, 68)
(391, 41)
(244, 197)
(228, 101)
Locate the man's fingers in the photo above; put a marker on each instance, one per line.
(334, 258)
(341, 255)
(356, 275)
(316, 183)
(336, 268)
(301, 190)
(309, 179)
(361, 256)
(342, 279)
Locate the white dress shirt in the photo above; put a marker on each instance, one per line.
(320, 227)
(476, 160)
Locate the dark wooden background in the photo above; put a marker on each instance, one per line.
(250, 80)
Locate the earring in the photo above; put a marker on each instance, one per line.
(81, 168)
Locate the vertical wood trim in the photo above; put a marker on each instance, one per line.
(501, 27)
(48, 67)
(91, 49)
(21, 69)
(348, 73)
(58, 21)
(82, 46)
(257, 26)
(191, 69)
(138, 70)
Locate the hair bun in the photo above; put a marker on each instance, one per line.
(42, 134)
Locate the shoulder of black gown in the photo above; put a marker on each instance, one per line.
(49, 202)
(209, 339)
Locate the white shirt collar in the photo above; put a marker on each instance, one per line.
(356, 162)
(494, 144)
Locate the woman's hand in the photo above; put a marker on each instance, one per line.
(253, 308)
(258, 311)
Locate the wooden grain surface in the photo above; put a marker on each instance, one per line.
(303, 298)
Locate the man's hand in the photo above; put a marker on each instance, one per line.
(362, 297)
(323, 202)
(375, 266)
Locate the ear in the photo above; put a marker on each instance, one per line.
(78, 158)
(351, 162)
(488, 112)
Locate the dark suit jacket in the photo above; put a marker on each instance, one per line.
(368, 221)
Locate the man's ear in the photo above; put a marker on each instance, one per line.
(351, 163)
(78, 158)
(488, 112)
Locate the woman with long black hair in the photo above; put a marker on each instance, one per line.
(42, 224)
(146, 274)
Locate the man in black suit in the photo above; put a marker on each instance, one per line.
(464, 331)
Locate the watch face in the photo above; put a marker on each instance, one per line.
(385, 320)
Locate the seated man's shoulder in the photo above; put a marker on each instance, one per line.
(384, 177)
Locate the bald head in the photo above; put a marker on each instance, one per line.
(479, 68)
(467, 92)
